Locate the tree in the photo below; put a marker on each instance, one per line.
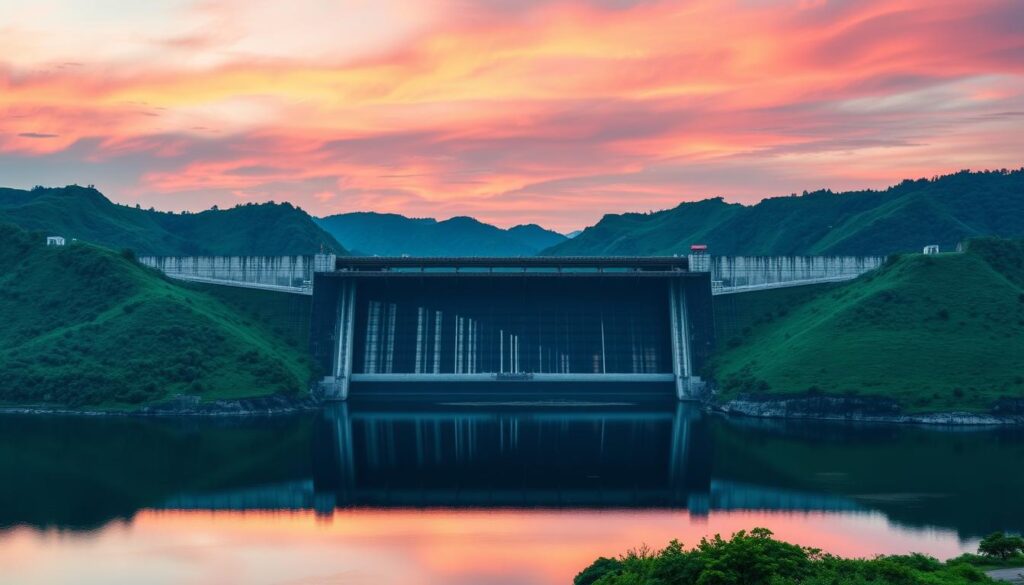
(1000, 545)
(599, 568)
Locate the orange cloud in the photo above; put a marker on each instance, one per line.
(552, 112)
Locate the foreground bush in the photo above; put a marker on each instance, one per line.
(755, 558)
(1001, 546)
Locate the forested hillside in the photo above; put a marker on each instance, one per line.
(936, 333)
(83, 213)
(903, 218)
(82, 325)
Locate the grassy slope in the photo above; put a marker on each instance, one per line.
(81, 325)
(285, 314)
(903, 218)
(85, 214)
(737, 314)
(937, 333)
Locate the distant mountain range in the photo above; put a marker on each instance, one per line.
(388, 234)
(85, 214)
(906, 217)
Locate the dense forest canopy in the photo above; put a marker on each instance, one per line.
(83, 213)
(903, 218)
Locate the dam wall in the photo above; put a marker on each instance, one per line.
(729, 274)
(287, 273)
(732, 274)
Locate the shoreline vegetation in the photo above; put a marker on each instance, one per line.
(840, 409)
(757, 558)
(270, 405)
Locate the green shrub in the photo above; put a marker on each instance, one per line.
(1001, 546)
(756, 558)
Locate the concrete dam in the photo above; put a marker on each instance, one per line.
(729, 274)
(645, 324)
(388, 321)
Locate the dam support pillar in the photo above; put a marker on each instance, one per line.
(336, 386)
(682, 357)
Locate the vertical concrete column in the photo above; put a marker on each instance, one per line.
(343, 344)
(420, 318)
(389, 359)
(458, 344)
(684, 333)
(373, 334)
(680, 335)
(604, 354)
(472, 346)
(438, 320)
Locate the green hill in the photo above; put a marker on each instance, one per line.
(944, 210)
(85, 214)
(389, 234)
(936, 333)
(82, 325)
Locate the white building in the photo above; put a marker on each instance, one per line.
(54, 241)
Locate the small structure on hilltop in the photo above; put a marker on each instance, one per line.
(931, 249)
(54, 241)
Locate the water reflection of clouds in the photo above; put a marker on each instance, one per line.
(419, 547)
(472, 494)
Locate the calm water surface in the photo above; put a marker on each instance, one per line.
(471, 493)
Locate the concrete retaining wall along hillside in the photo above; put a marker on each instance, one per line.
(766, 271)
(278, 271)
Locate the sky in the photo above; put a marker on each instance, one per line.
(512, 111)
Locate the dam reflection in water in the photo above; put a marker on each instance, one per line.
(458, 455)
(474, 493)
(452, 457)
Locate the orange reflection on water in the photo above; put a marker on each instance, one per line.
(411, 546)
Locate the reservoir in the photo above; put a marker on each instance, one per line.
(456, 491)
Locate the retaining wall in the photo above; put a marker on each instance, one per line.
(758, 272)
(266, 271)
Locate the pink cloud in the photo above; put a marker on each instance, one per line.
(549, 112)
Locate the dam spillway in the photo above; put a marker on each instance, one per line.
(514, 320)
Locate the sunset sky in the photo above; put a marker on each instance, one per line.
(512, 111)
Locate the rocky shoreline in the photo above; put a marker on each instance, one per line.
(864, 409)
(825, 408)
(272, 405)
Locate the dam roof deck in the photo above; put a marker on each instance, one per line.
(512, 266)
